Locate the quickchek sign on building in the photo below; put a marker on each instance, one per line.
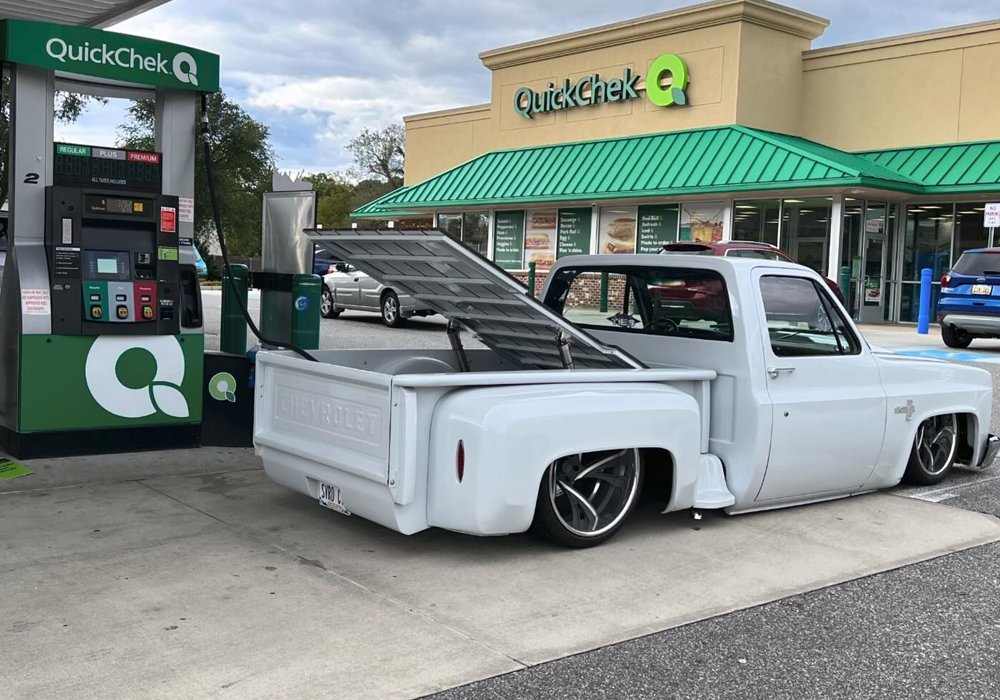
(102, 54)
(592, 89)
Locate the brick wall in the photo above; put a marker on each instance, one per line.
(586, 289)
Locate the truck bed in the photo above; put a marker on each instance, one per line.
(364, 416)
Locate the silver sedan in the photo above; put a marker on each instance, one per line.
(350, 288)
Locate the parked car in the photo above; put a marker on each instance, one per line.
(743, 249)
(323, 261)
(349, 288)
(199, 263)
(557, 421)
(969, 306)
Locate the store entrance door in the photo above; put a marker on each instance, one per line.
(873, 296)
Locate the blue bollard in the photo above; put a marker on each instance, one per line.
(924, 319)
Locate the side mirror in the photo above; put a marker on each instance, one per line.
(340, 267)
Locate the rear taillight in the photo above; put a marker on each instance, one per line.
(460, 461)
(945, 281)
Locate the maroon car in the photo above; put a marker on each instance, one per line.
(742, 249)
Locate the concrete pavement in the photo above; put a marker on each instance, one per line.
(226, 585)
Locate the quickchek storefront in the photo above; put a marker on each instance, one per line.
(719, 122)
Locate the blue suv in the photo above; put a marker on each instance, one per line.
(969, 306)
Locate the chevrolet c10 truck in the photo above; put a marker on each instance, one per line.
(723, 383)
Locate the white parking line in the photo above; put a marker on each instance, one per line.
(939, 494)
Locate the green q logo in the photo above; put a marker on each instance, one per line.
(673, 95)
(222, 387)
(160, 391)
(186, 68)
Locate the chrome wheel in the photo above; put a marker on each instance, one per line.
(325, 302)
(591, 494)
(390, 309)
(935, 445)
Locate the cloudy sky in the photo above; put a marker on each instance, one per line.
(318, 71)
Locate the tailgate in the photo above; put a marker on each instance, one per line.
(335, 416)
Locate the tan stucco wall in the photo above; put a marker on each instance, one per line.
(769, 92)
(752, 66)
(437, 143)
(925, 89)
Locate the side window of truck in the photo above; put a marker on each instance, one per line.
(802, 321)
(681, 302)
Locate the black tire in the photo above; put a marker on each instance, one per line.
(614, 492)
(935, 446)
(326, 307)
(392, 315)
(955, 338)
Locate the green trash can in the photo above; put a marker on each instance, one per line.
(233, 330)
(306, 293)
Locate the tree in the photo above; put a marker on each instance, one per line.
(334, 199)
(70, 106)
(242, 163)
(380, 153)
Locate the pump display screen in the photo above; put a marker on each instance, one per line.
(129, 206)
(114, 167)
(107, 265)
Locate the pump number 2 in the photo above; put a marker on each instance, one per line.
(31, 179)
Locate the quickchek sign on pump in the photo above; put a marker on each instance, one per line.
(595, 89)
(102, 54)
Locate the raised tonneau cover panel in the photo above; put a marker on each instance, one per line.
(465, 287)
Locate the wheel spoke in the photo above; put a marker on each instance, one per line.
(616, 480)
(597, 465)
(581, 502)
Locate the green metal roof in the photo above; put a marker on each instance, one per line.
(948, 169)
(697, 161)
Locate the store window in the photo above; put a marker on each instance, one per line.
(756, 221)
(969, 230)
(476, 231)
(926, 244)
(805, 225)
(473, 229)
(850, 248)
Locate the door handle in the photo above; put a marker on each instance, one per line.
(356, 279)
(773, 372)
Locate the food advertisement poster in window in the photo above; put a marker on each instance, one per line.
(574, 232)
(657, 226)
(540, 238)
(617, 231)
(508, 240)
(702, 221)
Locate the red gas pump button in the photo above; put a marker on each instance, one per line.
(147, 312)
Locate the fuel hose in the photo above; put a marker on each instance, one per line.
(206, 141)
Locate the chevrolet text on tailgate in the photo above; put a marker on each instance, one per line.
(720, 383)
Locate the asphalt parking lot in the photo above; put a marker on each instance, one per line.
(157, 576)
(920, 631)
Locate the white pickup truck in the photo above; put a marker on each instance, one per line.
(722, 383)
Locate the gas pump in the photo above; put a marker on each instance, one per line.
(101, 334)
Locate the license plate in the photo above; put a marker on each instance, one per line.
(331, 497)
(982, 289)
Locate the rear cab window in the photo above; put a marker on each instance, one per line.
(663, 301)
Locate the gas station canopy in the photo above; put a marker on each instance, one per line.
(82, 13)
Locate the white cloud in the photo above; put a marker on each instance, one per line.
(318, 71)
